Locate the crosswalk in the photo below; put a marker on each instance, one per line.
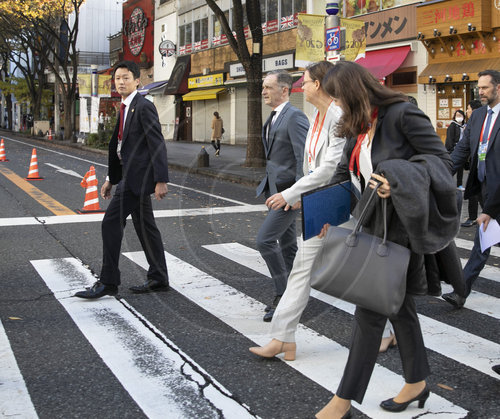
(165, 382)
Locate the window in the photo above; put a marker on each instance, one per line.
(286, 8)
(300, 6)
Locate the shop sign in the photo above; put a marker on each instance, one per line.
(206, 81)
(166, 48)
(135, 29)
(281, 62)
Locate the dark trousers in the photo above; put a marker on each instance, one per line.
(277, 243)
(365, 344)
(215, 145)
(123, 204)
(445, 266)
(473, 207)
(477, 259)
(460, 176)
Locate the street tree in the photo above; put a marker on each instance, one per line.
(251, 59)
(54, 40)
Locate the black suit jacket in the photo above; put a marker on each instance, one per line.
(467, 147)
(402, 131)
(143, 151)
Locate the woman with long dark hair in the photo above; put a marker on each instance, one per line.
(385, 133)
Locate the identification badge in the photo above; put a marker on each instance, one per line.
(481, 152)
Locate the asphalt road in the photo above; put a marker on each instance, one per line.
(184, 353)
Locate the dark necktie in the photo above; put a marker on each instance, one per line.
(120, 127)
(481, 164)
(269, 124)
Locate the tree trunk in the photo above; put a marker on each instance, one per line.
(68, 117)
(255, 149)
(8, 103)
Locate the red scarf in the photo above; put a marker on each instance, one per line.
(357, 148)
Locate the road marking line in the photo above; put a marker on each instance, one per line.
(15, 400)
(467, 348)
(467, 244)
(41, 197)
(92, 218)
(320, 359)
(156, 373)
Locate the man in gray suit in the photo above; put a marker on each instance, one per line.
(283, 135)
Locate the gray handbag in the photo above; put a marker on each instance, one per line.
(362, 269)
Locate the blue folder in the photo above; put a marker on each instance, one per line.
(328, 204)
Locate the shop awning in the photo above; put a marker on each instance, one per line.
(383, 62)
(178, 83)
(297, 86)
(203, 94)
(456, 70)
(149, 87)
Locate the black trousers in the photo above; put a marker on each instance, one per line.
(365, 344)
(123, 204)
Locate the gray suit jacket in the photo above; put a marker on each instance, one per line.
(284, 151)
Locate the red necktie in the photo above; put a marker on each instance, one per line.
(120, 127)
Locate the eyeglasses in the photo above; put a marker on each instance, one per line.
(305, 81)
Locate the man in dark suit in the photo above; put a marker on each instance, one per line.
(283, 135)
(137, 163)
(481, 142)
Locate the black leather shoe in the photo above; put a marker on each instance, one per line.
(468, 223)
(496, 368)
(98, 290)
(272, 308)
(392, 406)
(454, 299)
(151, 285)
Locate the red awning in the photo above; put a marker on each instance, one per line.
(383, 62)
(297, 86)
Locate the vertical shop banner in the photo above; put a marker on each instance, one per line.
(84, 115)
(84, 85)
(94, 114)
(104, 89)
(355, 39)
(310, 43)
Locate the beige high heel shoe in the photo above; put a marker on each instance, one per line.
(274, 348)
(386, 343)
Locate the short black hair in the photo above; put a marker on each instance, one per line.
(284, 78)
(495, 75)
(475, 104)
(130, 66)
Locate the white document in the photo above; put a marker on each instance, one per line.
(489, 237)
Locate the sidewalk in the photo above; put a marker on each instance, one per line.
(184, 156)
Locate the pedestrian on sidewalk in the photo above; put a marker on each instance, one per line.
(137, 164)
(284, 135)
(473, 201)
(217, 131)
(453, 135)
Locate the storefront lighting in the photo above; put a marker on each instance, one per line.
(448, 78)
(432, 80)
(437, 33)
(472, 45)
(442, 49)
(452, 30)
(494, 38)
(452, 48)
(465, 77)
(470, 28)
(420, 36)
(433, 51)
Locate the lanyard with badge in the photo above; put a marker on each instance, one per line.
(483, 145)
(312, 148)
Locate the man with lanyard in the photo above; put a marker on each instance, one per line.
(480, 141)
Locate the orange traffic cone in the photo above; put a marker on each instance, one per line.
(91, 203)
(33, 173)
(49, 137)
(2, 152)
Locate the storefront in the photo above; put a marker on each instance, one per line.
(461, 39)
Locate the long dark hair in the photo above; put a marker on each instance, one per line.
(359, 92)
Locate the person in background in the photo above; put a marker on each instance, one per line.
(473, 201)
(321, 155)
(217, 131)
(389, 140)
(453, 135)
(283, 136)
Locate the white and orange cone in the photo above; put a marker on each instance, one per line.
(49, 136)
(33, 172)
(89, 182)
(3, 157)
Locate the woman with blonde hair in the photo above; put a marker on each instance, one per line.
(323, 149)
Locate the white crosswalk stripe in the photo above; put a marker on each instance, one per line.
(323, 360)
(105, 322)
(467, 348)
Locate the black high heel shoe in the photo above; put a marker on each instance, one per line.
(393, 406)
